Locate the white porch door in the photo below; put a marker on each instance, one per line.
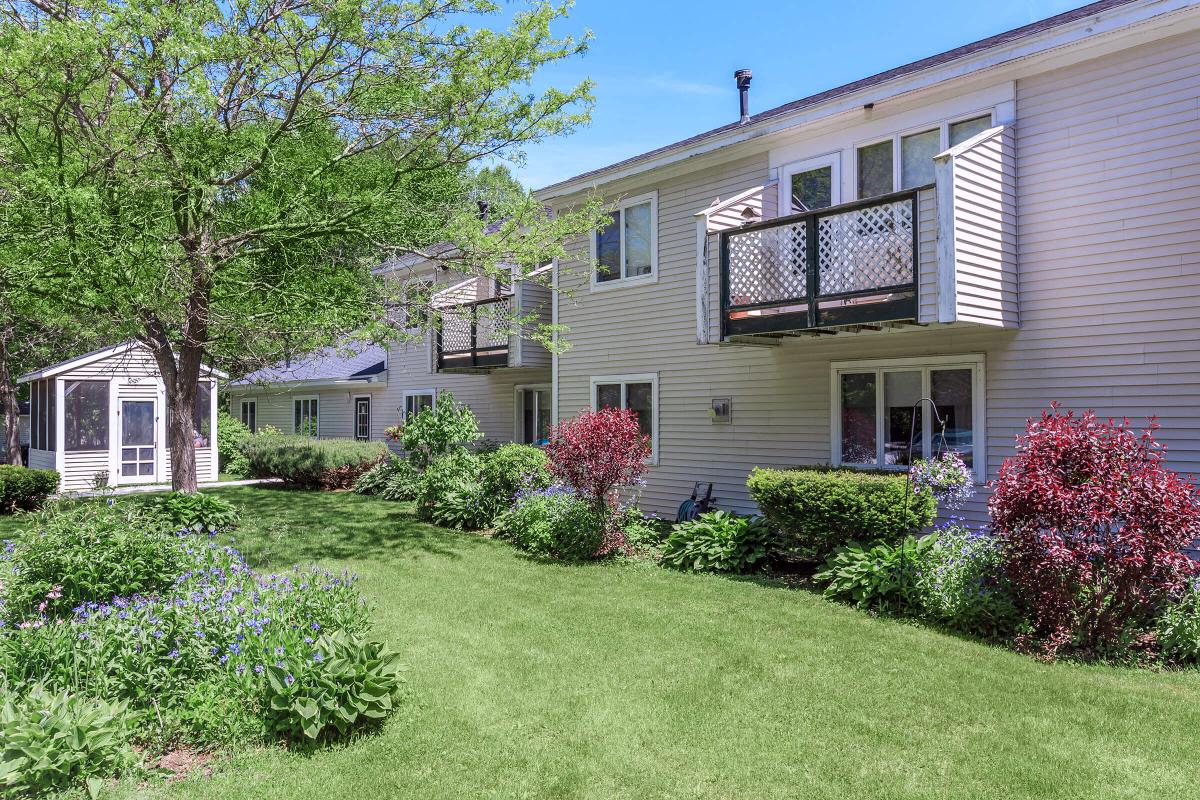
(139, 444)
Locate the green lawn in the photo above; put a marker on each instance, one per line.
(533, 680)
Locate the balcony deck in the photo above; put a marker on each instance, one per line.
(848, 265)
(474, 336)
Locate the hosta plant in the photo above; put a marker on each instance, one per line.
(198, 512)
(1178, 627)
(50, 742)
(879, 576)
(344, 683)
(718, 542)
(1092, 526)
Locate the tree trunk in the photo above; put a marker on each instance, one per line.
(181, 440)
(8, 399)
(181, 379)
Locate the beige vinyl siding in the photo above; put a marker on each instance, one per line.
(335, 408)
(1107, 157)
(532, 299)
(981, 243)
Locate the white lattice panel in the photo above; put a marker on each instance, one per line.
(768, 265)
(865, 249)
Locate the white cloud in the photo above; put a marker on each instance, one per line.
(669, 83)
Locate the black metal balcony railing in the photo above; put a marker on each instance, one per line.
(849, 264)
(474, 335)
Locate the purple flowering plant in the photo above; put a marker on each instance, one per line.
(947, 477)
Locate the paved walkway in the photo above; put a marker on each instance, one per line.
(166, 487)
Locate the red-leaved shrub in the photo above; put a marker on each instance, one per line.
(598, 452)
(1092, 525)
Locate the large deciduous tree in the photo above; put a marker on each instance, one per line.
(215, 178)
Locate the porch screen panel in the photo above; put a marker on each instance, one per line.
(85, 415)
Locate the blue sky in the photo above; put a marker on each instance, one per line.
(664, 70)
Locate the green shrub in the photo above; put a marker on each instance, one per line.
(644, 534)
(87, 552)
(24, 489)
(199, 512)
(960, 583)
(345, 683)
(817, 510)
(718, 542)
(311, 463)
(456, 472)
(554, 523)
(1178, 628)
(54, 742)
(878, 576)
(391, 479)
(438, 431)
(231, 433)
(511, 467)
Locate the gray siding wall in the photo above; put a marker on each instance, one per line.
(1107, 157)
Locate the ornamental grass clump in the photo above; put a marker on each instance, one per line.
(1092, 526)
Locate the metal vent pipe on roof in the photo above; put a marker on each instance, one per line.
(743, 76)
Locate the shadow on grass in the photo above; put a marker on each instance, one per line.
(281, 526)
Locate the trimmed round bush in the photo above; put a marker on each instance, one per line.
(555, 524)
(512, 467)
(816, 510)
(24, 489)
(310, 463)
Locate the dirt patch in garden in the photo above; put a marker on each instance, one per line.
(178, 764)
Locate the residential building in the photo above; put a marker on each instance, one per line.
(995, 228)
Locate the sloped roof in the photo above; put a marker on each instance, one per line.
(97, 355)
(345, 363)
(849, 88)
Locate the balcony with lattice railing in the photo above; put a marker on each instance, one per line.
(847, 265)
(475, 335)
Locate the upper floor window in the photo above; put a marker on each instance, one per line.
(905, 161)
(626, 249)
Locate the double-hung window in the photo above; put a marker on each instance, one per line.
(625, 250)
(306, 417)
(249, 411)
(905, 161)
(882, 417)
(637, 393)
(417, 401)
